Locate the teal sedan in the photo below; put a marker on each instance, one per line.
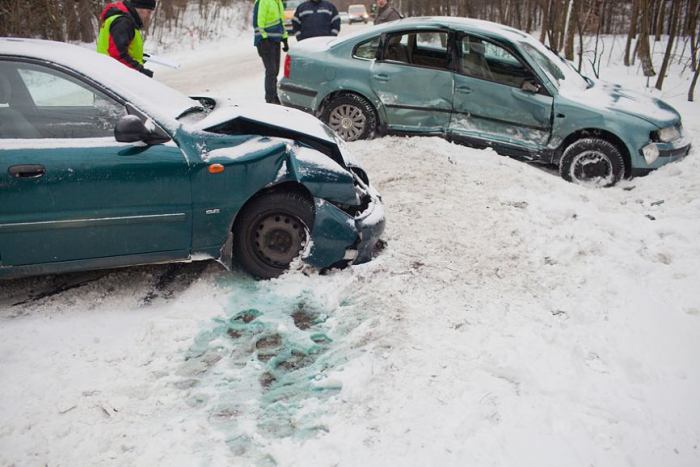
(102, 167)
(485, 85)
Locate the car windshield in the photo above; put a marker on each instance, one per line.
(559, 71)
(357, 9)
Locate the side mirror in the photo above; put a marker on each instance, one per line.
(530, 86)
(130, 129)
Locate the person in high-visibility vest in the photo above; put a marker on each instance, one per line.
(268, 21)
(120, 32)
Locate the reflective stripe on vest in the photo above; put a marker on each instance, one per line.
(135, 47)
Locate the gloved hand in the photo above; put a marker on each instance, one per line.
(147, 72)
(285, 45)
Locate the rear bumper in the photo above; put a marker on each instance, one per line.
(299, 97)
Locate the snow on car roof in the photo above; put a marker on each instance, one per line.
(156, 99)
(474, 25)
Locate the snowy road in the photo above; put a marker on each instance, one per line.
(513, 319)
(228, 68)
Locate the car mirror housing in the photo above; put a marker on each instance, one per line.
(131, 129)
(530, 86)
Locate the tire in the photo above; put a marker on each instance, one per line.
(271, 231)
(351, 116)
(592, 161)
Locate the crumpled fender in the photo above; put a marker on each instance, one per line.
(321, 175)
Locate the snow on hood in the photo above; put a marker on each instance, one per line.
(274, 116)
(149, 95)
(268, 114)
(613, 97)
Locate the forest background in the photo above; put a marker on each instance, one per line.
(570, 27)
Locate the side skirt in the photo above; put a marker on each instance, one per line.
(14, 272)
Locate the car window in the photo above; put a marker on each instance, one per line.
(485, 60)
(424, 49)
(60, 106)
(554, 73)
(367, 50)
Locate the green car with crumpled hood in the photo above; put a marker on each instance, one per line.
(102, 167)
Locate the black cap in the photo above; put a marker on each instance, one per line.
(145, 4)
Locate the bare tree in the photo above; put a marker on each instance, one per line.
(675, 7)
(643, 51)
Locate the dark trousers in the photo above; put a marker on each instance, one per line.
(269, 51)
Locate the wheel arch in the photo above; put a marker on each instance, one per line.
(286, 186)
(605, 135)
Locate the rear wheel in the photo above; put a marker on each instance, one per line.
(351, 116)
(592, 161)
(271, 231)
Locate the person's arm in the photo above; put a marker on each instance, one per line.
(296, 22)
(335, 21)
(395, 15)
(122, 33)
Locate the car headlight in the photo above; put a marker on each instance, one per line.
(668, 134)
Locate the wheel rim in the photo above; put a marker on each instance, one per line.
(278, 238)
(592, 167)
(348, 121)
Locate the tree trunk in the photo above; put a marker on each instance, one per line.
(643, 51)
(569, 30)
(675, 6)
(660, 20)
(691, 91)
(632, 32)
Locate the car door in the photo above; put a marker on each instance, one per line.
(413, 81)
(69, 190)
(498, 98)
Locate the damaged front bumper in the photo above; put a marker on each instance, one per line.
(344, 235)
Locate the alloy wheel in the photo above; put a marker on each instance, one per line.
(348, 121)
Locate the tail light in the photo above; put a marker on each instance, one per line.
(287, 66)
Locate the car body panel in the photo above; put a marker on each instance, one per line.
(536, 125)
(109, 199)
(499, 113)
(414, 99)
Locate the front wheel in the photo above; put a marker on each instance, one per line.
(592, 161)
(271, 231)
(351, 116)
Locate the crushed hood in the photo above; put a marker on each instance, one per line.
(276, 121)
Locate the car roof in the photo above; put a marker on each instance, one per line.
(147, 94)
(485, 28)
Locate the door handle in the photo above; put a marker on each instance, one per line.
(464, 89)
(381, 77)
(27, 171)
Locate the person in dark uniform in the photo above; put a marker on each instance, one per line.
(315, 18)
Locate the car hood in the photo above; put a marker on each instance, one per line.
(615, 98)
(277, 121)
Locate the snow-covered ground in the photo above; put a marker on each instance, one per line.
(512, 319)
